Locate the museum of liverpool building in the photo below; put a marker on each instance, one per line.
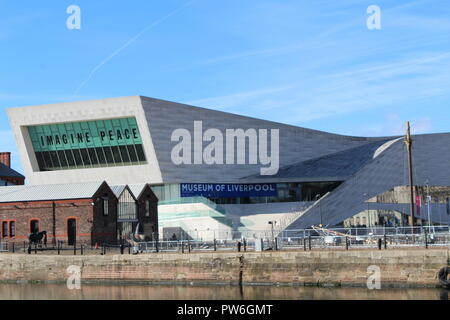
(223, 175)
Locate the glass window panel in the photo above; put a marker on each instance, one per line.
(132, 153)
(101, 155)
(140, 153)
(85, 157)
(40, 160)
(70, 158)
(124, 154)
(62, 158)
(93, 156)
(47, 159)
(116, 155)
(78, 160)
(54, 159)
(109, 155)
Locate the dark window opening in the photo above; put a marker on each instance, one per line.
(34, 226)
(12, 229)
(4, 229)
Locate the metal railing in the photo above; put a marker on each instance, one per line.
(301, 239)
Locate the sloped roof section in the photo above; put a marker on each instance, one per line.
(337, 166)
(49, 192)
(6, 171)
(137, 188)
(118, 189)
(295, 143)
(386, 171)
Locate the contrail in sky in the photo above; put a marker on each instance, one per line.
(130, 41)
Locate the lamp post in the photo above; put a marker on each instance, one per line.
(272, 223)
(428, 206)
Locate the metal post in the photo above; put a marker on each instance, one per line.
(304, 244)
(74, 248)
(385, 242)
(276, 243)
(215, 245)
(426, 239)
(182, 247)
(245, 245)
(58, 244)
(346, 243)
(189, 246)
(129, 248)
(13, 249)
(309, 242)
(121, 248)
(24, 247)
(81, 249)
(379, 243)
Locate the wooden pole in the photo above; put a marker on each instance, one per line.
(408, 142)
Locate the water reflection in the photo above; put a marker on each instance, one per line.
(167, 292)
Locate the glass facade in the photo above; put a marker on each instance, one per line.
(87, 144)
(286, 192)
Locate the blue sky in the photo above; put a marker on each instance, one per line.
(308, 63)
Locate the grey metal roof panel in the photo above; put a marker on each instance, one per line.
(337, 166)
(295, 143)
(49, 192)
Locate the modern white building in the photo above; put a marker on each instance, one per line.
(214, 171)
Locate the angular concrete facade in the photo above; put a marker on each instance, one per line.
(364, 167)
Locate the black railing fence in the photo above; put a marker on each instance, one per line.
(302, 239)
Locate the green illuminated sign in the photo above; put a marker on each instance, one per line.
(100, 143)
(87, 134)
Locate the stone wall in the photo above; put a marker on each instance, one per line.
(346, 268)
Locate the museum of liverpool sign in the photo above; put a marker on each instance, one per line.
(87, 144)
(228, 190)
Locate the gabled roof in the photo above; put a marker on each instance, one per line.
(49, 192)
(118, 189)
(137, 189)
(7, 172)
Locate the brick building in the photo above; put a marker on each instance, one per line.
(8, 176)
(84, 212)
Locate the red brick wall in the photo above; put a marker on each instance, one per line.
(5, 158)
(16, 181)
(23, 213)
(91, 227)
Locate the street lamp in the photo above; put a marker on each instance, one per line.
(428, 206)
(272, 223)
